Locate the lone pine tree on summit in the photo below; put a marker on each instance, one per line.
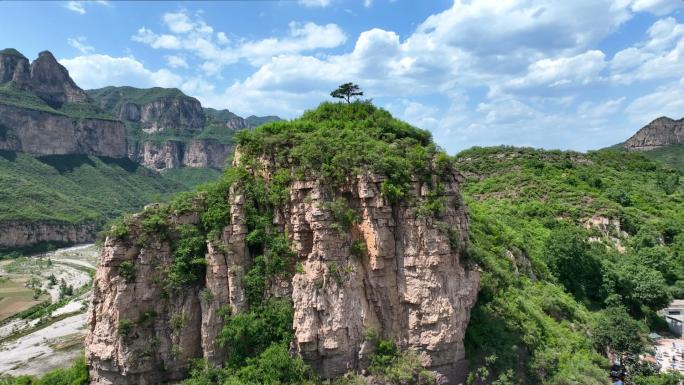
(346, 91)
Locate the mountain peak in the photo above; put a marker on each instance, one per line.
(661, 132)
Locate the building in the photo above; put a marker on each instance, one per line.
(674, 315)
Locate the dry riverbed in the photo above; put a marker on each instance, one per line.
(53, 336)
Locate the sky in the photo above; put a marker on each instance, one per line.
(556, 74)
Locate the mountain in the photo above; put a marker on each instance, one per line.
(168, 129)
(66, 199)
(323, 237)
(662, 139)
(42, 111)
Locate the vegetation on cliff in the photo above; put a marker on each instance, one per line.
(557, 284)
(76, 189)
(331, 143)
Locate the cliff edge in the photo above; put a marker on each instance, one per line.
(368, 235)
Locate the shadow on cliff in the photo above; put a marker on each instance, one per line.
(125, 163)
(68, 163)
(8, 155)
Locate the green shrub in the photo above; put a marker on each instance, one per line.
(127, 271)
(125, 328)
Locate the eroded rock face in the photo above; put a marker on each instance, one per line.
(51, 82)
(14, 67)
(206, 153)
(410, 284)
(43, 133)
(16, 234)
(202, 153)
(659, 133)
(172, 113)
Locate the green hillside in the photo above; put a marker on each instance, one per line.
(672, 155)
(13, 96)
(76, 188)
(112, 98)
(551, 299)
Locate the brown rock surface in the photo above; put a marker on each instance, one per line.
(410, 285)
(659, 133)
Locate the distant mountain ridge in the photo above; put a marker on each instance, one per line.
(44, 112)
(659, 133)
(662, 139)
(169, 129)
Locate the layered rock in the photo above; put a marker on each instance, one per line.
(200, 153)
(661, 132)
(32, 117)
(44, 133)
(52, 83)
(18, 234)
(410, 284)
(14, 67)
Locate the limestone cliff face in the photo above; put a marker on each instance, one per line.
(200, 153)
(659, 133)
(42, 126)
(172, 114)
(410, 285)
(17, 234)
(44, 133)
(14, 67)
(52, 83)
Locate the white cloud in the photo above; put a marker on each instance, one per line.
(657, 7)
(315, 3)
(178, 22)
(80, 6)
(222, 38)
(667, 100)
(80, 44)
(175, 61)
(196, 37)
(657, 57)
(367, 3)
(96, 71)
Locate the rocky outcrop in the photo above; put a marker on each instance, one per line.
(394, 271)
(52, 83)
(44, 133)
(18, 234)
(14, 67)
(200, 153)
(35, 118)
(659, 133)
(163, 114)
(206, 153)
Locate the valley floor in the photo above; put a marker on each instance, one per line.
(51, 337)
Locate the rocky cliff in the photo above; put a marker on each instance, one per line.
(21, 234)
(154, 109)
(659, 133)
(169, 129)
(199, 153)
(395, 266)
(44, 133)
(43, 112)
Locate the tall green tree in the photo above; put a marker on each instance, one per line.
(347, 91)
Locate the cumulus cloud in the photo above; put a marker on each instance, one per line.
(80, 6)
(80, 44)
(175, 61)
(96, 71)
(657, 7)
(667, 100)
(196, 37)
(315, 3)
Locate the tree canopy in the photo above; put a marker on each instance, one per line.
(347, 91)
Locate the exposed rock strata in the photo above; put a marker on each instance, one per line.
(200, 153)
(52, 83)
(43, 133)
(659, 133)
(17, 234)
(411, 285)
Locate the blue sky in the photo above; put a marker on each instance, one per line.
(581, 74)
